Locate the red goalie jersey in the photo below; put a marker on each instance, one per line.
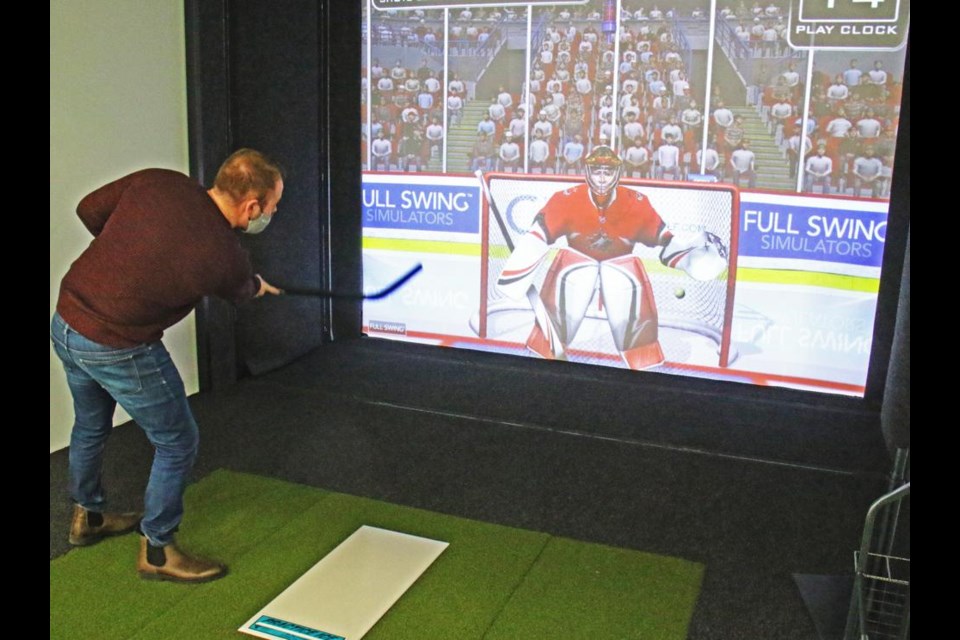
(602, 233)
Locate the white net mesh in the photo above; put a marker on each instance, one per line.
(693, 314)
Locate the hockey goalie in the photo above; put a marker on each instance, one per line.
(601, 222)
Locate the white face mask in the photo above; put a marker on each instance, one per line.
(258, 224)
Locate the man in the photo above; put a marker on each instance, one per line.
(837, 92)
(161, 243)
(868, 173)
(543, 126)
(454, 109)
(743, 33)
(681, 89)
(637, 159)
(435, 136)
(432, 84)
(852, 76)
(797, 150)
(671, 132)
(756, 36)
(877, 79)
(656, 86)
(509, 153)
(601, 222)
(691, 118)
(668, 161)
(539, 153)
(505, 98)
(573, 155)
(497, 113)
(818, 169)
(487, 126)
(723, 118)
(869, 126)
(456, 86)
(376, 69)
(770, 39)
(382, 150)
(734, 134)
(424, 71)
(518, 124)
(709, 162)
(791, 79)
(482, 153)
(633, 129)
(743, 162)
(410, 151)
(836, 131)
(398, 72)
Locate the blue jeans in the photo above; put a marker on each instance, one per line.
(146, 383)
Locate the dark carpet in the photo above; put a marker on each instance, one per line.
(756, 486)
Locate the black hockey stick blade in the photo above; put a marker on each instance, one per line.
(340, 295)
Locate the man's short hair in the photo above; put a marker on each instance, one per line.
(248, 172)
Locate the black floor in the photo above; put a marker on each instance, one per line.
(588, 455)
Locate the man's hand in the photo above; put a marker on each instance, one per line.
(266, 287)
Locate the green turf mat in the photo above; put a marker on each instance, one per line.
(95, 592)
(491, 582)
(578, 590)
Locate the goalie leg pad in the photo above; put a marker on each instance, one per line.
(629, 302)
(567, 290)
(542, 344)
(521, 267)
(644, 356)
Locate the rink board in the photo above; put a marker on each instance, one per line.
(345, 593)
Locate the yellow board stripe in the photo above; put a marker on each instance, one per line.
(771, 276)
(828, 280)
(423, 246)
(791, 277)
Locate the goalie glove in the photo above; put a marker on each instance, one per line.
(702, 255)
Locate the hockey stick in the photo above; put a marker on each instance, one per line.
(493, 208)
(340, 295)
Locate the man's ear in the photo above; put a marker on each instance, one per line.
(249, 207)
(246, 210)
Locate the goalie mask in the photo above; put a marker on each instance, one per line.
(603, 168)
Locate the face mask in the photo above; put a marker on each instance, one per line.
(259, 224)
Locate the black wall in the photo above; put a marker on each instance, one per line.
(281, 78)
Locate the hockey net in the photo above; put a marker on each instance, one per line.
(694, 316)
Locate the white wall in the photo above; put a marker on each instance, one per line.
(118, 103)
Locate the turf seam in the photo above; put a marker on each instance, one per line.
(516, 587)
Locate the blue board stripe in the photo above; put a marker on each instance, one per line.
(296, 631)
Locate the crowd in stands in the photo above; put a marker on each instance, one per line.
(470, 29)
(406, 105)
(650, 117)
(847, 144)
(761, 28)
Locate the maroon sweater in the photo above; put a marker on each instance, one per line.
(161, 244)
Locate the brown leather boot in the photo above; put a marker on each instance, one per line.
(169, 563)
(83, 533)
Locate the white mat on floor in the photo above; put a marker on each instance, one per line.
(342, 596)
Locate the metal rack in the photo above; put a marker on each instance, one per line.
(880, 606)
